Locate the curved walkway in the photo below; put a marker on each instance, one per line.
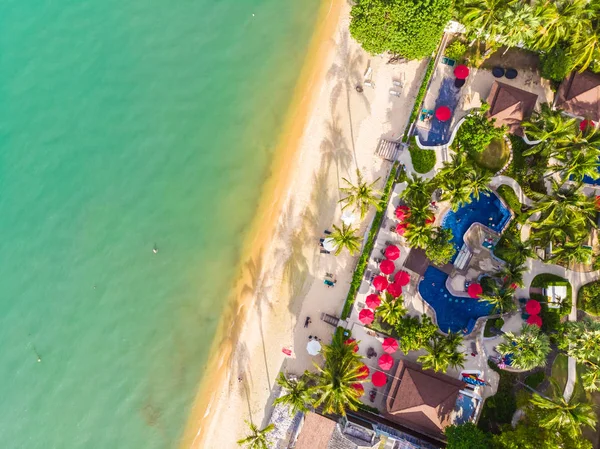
(497, 181)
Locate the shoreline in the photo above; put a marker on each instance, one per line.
(262, 236)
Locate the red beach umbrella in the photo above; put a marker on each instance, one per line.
(585, 124)
(364, 372)
(392, 252)
(533, 307)
(380, 283)
(359, 388)
(352, 341)
(386, 362)
(402, 278)
(379, 379)
(394, 289)
(461, 71)
(366, 316)
(389, 345)
(373, 301)
(402, 212)
(514, 285)
(387, 266)
(430, 220)
(534, 320)
(474, 290)
(401, 228)
(443, 113)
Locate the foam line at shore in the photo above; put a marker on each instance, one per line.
(260, 237)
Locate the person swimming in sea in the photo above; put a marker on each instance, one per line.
(154, 249)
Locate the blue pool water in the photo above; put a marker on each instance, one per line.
(439, 133)
(465, 408)
(592, 181)
(454, 313)
(487, 210)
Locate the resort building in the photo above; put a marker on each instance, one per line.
(579, 95)
(352, 432)
(424, 401)
(509, 106)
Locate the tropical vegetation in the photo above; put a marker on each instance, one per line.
(391, 309)
(581, 341)
(442, 352)
(360, 196)
(345, 238)
(477, 131)
(588, 298)
(528, 350)
(257, 439)
(441, 249)
(296, 392)
(423, 161)
(466, 436)
(414, 332)
(408, 28)
(501, 299)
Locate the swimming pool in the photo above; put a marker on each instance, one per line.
(454, 313)
(465, 408)
(487, 210)
(439, 132)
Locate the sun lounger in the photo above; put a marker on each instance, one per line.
(448, 61)
(395, 93)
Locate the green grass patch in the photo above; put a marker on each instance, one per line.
(423, 161)
(544, 279)
(359, 272)
(496, 323)
(534, 380)
(588, 298)
(420, 96)
(510, 197)
(494, 157)
(499, 409)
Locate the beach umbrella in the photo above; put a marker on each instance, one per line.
(366, 316)
(402, 278)
(389, 345)
(443, 113)
(313, 347)
(379, 379)
(387, 266)
(352, 341)
(359, 388)
(329, 244)
(534, 320)
(401, 228)
(394, 289)
(392, 252)
(402, 212)
(348, 217)
(533, 307)
(373, 301)
(461, 71)
(380, 283)
(364, 372)
(386, 362)
(474, 290)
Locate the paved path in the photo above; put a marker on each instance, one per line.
(497, 181)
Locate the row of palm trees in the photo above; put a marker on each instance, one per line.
(539, 25)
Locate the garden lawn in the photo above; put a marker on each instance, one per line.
(494, 156)
(423, 161)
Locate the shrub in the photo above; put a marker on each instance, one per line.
(588, 298)
(359, 272)
(534, 380)
(499, 409)
(456, 50)
(497, 323)
(410, 28)
(422, 160)
(466, 436)
(477, 132)
(510, 197)
(556, 64)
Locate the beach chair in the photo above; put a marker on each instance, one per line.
(395, 93)
(448, 61)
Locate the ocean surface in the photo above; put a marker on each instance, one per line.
(126, 125)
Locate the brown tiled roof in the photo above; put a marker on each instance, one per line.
(579, 95)
(510, 106)
(422, 400)
(316, 432)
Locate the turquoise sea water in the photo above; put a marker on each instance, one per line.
(125, 124)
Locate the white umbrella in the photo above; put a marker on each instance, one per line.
(313, 347)
(348, 217)
(329, 244)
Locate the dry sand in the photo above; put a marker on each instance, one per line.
(332, 130)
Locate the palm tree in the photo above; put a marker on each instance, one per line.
(479, 182)
(511, 273)
(519, 23)
(502, 299)
(551, 128)
(335, 390)
(520, 250)
(345, 238)
(391, 310)
(565, 204)
(418, 190)
(578, 164)
(482, 19)
(296, 395)
(560, 22)
(529, 350)
(442, 353)
(418, 236)
(360, 196)
(257, 438)
(572, 252)
(556, 414)
(457, 191)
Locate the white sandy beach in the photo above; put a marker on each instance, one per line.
(285, 283)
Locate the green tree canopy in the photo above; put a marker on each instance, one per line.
(477, 131)
(414, 332)
(529, 349)
(441, 249)
(410, 28)
(581, 340)
(466, 436)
